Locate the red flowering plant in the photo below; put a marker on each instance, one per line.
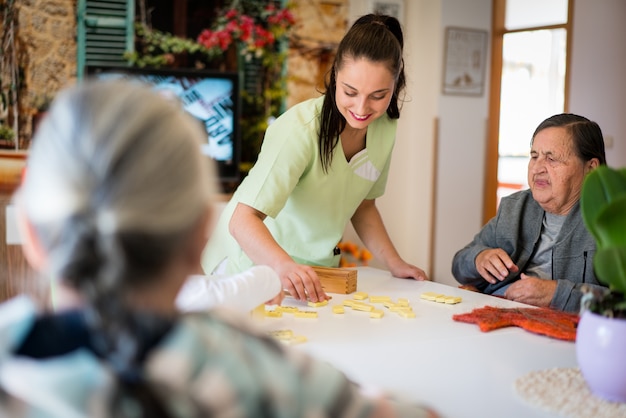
(255, 28)
(257, 36)
(258, 31)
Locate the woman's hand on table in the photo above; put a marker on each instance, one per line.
(301, 282)
(405, 270)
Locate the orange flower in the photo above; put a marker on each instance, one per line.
(366, 255)
(352, 255)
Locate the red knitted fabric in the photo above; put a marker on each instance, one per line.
(543, 321)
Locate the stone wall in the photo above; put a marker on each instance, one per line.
(45, 40)
(321, 25)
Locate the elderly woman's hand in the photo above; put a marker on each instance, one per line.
(495, 265)
(532, 290)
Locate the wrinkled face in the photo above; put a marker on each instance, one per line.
(364, 90)
(555, 172)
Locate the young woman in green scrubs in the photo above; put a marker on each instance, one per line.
(323, 163)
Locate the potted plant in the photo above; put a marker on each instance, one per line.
(601, 334)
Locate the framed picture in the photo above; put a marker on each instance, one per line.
(464, 61)
(393, 8)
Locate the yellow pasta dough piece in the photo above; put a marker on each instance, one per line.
(317, 304)
(338, 309)
(403, 302)
(400, 308)
(348, 302)
(376, 313)
(363, 307)
(286, 336)
(360, 296)
(437, 297)
(430, 295)
(380, 299)
(258, 312)
(273, 314)
(451, 300)
(305, 314)
(298, 339)
(441, 298)
(287, 309)
(281, 334)
(407, 314)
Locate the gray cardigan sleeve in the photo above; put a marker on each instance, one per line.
(517, 222)
(464, 261)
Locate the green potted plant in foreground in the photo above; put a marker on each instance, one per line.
(601, 334)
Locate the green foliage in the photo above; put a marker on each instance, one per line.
(603, 205)
(159, 49)
(6, 133)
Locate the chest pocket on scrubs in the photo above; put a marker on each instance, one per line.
(363, 167)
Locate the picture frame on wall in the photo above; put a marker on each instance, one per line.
(393, 8)
(465, 59)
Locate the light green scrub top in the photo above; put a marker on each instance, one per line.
(307, 209)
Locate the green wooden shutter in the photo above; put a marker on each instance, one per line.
(105, 32)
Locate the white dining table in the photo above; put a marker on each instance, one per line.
(451, 366)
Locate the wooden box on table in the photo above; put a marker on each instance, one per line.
(337, 280)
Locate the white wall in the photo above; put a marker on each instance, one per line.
(598, 70)
(406, 205)
(462, 140)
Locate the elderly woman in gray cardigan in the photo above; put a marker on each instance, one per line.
(536, 250)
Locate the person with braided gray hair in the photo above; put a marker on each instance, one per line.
(115, 209)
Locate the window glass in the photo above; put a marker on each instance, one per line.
(534, 13)
(533, 88)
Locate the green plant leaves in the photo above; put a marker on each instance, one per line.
(610, 267)
(610, 224)
(603, 206)
(601, 187)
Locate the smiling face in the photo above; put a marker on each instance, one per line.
(555, 172)
(364, 90)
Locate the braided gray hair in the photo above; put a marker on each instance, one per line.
(113, 162)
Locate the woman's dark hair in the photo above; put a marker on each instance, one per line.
(377, 38)
(586, 135)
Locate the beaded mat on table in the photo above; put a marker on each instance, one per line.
(564, 391)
